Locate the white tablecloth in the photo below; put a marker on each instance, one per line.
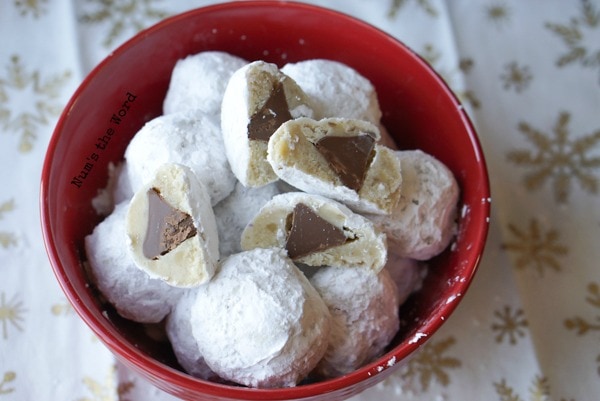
(528, 73)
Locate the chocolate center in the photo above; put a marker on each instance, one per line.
(167, 227)
(309, 233)
(349, 157)
(274, 112)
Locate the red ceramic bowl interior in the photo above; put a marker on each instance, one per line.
(419, 111)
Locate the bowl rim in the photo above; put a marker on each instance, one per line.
(151, 368)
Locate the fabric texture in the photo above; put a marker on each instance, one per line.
(529, 77)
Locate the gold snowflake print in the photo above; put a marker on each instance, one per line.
(7, 239)
(11, 313)
(516, 77)
(106, 391)
(9, 376)
(539, 390)
(61, 309)
(123, 15)
(510, 324)
(558, 158)
(37, 99)
(33, 7)
(432, 56)
(535, 249)
(498, 13)
(431, 364)
(584, 326)
(424, 4)
(581, 35)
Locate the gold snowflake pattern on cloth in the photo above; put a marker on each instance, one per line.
(538, 391)
(510, 323)
(7, 239)
(583, 326)
(430, 363)
(424, 4)
(22, 87)
(122, 16)
(581, 35)
(31, 7)
(107, 390)
(9, 377)
(498, 13)
(62, 309)
(452, 76)
(534, 248)
(558, 158)
(516, 77)
(11, 313)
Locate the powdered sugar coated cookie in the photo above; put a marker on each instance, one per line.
(129, 289)
(423, 223)
(364, 310)
(198, 82)
(259, 322)
(336, 90)
(192, 139)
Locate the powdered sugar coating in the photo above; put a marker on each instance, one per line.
(259, 322)
(192, 139)
(198, 82)
(336, 90)
(364, 310)
(179, 332)
(408, 274)
(235, 212)
(129, 289)
(423, 222)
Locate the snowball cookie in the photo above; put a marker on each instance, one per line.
(259, 322)
(316, 231)
(129, 289)
(257, 100)
(171, 228)
(364, 311)
(423, 223)
(235, 212)
(337, 158)
(199, 80)
(408, 274)
(179, 332)
(190, 138)
(336, 90)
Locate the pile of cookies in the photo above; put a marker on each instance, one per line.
(267, 219)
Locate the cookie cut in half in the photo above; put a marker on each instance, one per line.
(257, 100)
(316, 231)
(340, 159)
(172, 230)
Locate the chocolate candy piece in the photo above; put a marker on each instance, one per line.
(309, 233)
(167, 227)
(348, 156)
(270, 116)
(316, 231)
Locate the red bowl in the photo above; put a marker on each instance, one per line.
(418, 109)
